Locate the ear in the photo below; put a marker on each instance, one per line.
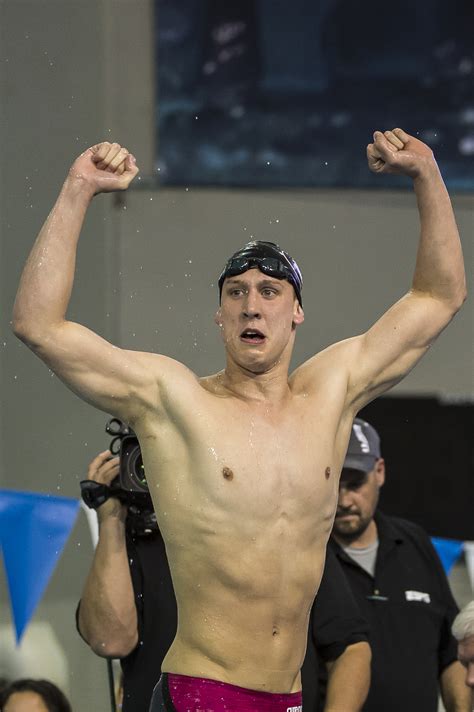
(298, 314)
(380, 472)
(218, 317)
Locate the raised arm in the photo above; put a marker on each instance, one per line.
(107, 617)
(112, 379)
(382, 356)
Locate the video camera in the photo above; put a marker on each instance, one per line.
(130, 485)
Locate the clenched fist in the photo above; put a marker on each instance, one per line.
(104, 168)
(397, 152)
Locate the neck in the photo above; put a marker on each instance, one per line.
(271, 385)
(366, 538)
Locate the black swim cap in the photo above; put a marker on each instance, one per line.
(270, 259)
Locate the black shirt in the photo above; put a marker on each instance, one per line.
(157, 620)
(410, 609)
(335, 623)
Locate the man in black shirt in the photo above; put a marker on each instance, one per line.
(401, 588)
(128, 611)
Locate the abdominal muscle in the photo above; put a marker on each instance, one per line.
(251, 633)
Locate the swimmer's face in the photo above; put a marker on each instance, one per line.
(357, 502)
(257, 317)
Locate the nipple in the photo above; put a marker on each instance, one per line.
(227, 473)
(327, 472)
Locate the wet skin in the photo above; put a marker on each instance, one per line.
(246, 550)
(243, 470)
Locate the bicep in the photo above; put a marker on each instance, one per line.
(388, 351)
(115, 380)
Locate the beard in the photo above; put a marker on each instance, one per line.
(349, 530)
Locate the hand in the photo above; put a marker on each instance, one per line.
(104, 468)
(398, 152)
(104, 168)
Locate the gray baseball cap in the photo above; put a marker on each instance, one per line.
(364, 447)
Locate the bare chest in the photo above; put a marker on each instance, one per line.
(264, 467)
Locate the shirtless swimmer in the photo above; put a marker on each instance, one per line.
(245, 496)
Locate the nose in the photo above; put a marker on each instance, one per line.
(251, 305)
(345, 498)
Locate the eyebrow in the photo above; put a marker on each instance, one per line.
(267, 281)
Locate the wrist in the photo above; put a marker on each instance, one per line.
(76, 187)
(112, 514)
(427, 173)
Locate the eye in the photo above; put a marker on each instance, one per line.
(235, 292)
(269, 292)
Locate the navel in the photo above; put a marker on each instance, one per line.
(227, 473)
(327, 472)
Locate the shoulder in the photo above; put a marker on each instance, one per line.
(334, 362)
(159, 365)
(401, 525)
(407, 530)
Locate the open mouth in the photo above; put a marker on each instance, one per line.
(252, 336)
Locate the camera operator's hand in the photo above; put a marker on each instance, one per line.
(104, 468)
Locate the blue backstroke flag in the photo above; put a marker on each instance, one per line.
(33, 531)
(448, 550)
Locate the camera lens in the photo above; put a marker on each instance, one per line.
(138, 469)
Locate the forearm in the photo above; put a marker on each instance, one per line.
(454, 691)
(349, 679)
(439, 268)
(107, 614)
(47, 279)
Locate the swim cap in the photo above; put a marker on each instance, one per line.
(270, 259)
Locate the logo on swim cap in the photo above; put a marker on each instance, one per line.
(270, 259)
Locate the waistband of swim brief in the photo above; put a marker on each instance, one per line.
(186, 691)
